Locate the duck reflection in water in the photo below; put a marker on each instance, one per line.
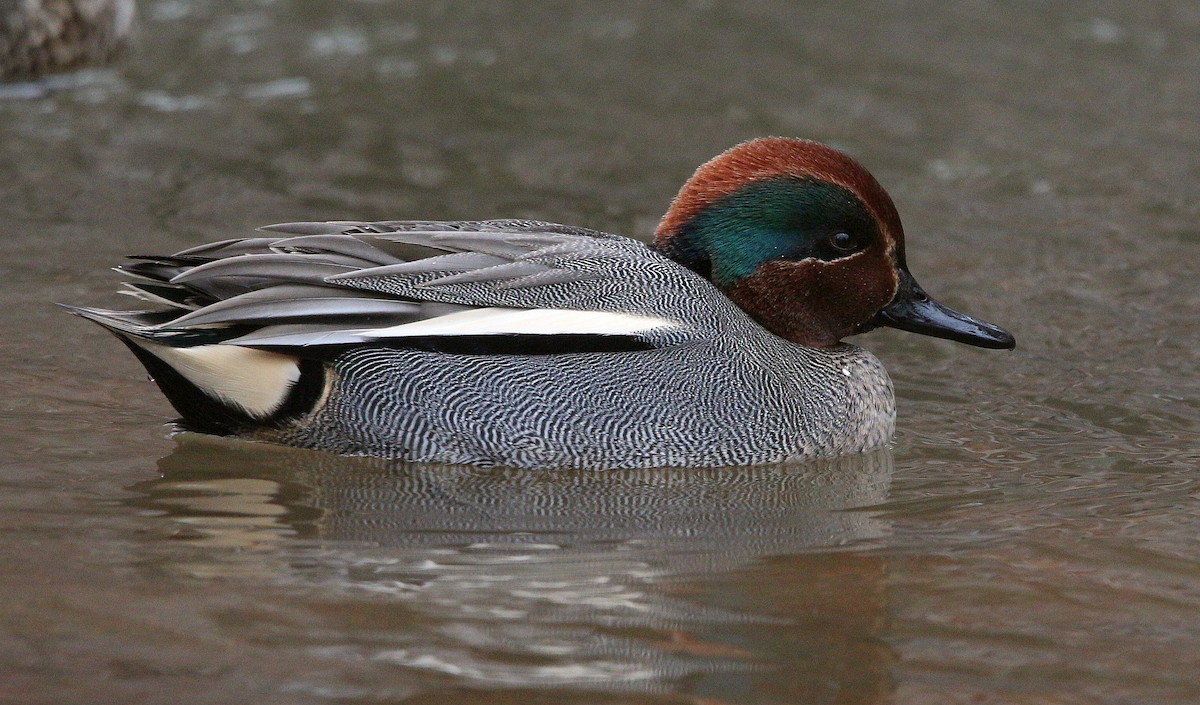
(717, 583)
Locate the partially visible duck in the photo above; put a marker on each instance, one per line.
(536, 345)
(42, 36)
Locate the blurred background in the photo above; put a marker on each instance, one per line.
(1030, 538)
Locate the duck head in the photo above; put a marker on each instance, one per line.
(808, 243)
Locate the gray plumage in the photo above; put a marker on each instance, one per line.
(690, 380)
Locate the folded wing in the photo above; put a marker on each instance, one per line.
(487, 287)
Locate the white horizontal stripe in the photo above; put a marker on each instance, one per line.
(522, 321)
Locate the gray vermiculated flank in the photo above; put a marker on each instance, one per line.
(715, 389)
(691, 405)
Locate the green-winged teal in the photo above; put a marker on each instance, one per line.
(537, 345)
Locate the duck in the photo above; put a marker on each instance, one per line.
(43, 36)
(530, 344)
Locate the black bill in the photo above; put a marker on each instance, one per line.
(912, 310)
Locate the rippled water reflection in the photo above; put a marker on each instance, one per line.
(507, 579)
(1031, 538)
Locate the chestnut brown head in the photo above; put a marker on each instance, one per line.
(808, 243)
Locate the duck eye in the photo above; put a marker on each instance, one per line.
(843, 242)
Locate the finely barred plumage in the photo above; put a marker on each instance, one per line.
(536, 345)
(641, 409)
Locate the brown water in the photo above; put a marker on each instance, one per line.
(1031, 537)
